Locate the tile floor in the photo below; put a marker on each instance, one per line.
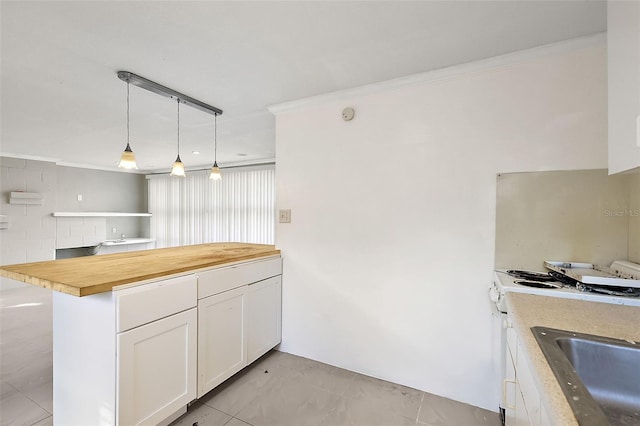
(279, 389)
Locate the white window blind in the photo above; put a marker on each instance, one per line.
(195, 210)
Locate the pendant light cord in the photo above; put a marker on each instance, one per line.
(178, 127)
(215, 138)
(127, 113)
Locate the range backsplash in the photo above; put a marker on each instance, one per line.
(581, 215)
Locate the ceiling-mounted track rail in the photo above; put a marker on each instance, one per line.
(159, 89)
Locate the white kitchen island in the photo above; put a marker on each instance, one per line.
(140, 351)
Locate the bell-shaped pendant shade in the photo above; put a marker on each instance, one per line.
(178, 168)
(128, 159)
(215, 172)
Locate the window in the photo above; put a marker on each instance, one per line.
(195, 210)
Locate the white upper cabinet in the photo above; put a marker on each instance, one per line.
(623, 58)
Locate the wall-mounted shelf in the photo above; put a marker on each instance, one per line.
(19, 197)
(127, 241)
(99, 214)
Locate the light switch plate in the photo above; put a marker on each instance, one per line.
(285, 216)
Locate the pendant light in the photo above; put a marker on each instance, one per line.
(128, 158)
(178, 167)
(215, 170)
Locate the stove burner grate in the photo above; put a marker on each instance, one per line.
(610, 290)
(563, 278)
(530, 276)
(538, 284)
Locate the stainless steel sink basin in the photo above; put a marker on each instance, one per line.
(599, 376)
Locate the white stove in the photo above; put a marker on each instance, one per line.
(567, 280)
(503, 283)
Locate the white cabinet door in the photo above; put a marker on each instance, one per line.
(222, 348)
(544, 417)
(623, 60)
(156, 369)
(521, 415)
(516, 411)
(528, 388)
(509, 390)
(265, 317)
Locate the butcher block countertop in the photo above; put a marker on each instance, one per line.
(82, 276)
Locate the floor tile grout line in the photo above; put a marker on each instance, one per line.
(27, 396)
(30, 399)
(249, 424)
(420, 408)
(10, 385)
(50, 415)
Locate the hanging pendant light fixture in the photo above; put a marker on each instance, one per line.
(215, 170)
(178, 167)
(128, 158)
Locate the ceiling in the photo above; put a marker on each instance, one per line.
(61, 99)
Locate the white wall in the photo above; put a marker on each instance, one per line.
(389, 255)
(33, 236)
(634, 219)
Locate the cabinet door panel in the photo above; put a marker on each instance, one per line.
(528, 388)
(265, 317)
(544, 417)
(521, 415)
(222, 349)
(509, 390)
(156, 369)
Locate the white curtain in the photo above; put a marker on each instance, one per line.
(195, 210)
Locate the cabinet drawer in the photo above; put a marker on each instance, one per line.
(140, 305)
(218, 280)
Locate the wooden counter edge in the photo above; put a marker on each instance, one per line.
(39, 282)
(106, 287)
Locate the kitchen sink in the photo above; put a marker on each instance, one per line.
(599, 376)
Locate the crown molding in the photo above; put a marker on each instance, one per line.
(445, 73)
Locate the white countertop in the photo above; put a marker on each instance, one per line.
(602, 319)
